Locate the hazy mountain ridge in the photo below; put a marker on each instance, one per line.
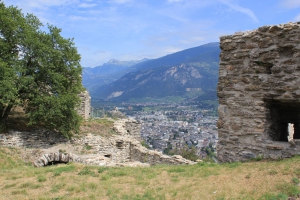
(204, 53)
(187, 74)
(106, 73)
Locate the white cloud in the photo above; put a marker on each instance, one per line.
(42, 3)
(86, 5)
(240, 9)
(172, 1)
(121, 1)
(173, 16)
(76, 18)
(291, 3)
(297, 18)
(192, 40)
(170, 50)
(92, 57)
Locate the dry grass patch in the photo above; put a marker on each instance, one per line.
(251, 180)
(103, 127)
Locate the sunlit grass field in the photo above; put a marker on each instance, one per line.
(250, 180)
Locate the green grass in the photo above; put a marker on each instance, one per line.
(41, 178)
(251, 180)
(86, 171)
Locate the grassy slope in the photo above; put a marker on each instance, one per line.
(251, 180)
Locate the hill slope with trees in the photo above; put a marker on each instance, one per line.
(189, 74)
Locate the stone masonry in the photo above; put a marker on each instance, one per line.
(84, 109)
(42, 147)
(259, 93)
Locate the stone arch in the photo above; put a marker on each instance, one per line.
(52, 158)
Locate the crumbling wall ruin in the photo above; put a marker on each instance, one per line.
(84, 109)
(259, 93)
(43, 147)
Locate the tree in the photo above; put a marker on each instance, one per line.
(38, 70)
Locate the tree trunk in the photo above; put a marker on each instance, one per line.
(4, 115)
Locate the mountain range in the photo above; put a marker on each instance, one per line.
(106, 73)
(191, 74)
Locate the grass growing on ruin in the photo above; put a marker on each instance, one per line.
(102, 126)
(251, 180)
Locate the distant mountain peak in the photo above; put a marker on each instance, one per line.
(189, 74)
(128, 63)
(113, 61)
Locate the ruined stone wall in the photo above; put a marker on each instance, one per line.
(129, 127)
(152, 157)
(259, 93)
(42, 147)
(85, 106)
(39, 138)
(115, 149)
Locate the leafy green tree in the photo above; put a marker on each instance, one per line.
(38, 70)
(185, 152)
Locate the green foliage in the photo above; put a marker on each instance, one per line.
(258, 158)
(38, 70)
(186, 152)
(168, 150)
(87, 147)
(144, 144)
(210, 151)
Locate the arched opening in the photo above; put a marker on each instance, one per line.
(52, 159)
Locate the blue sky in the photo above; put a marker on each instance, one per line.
(136, 29)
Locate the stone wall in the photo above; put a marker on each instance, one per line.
(127, 126)
(42, 147)
(259, 93)
(85, 106)
(144, 155)
(39, 138)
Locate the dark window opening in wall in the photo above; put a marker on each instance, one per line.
(56, 163)
(107, 156)
(119, 145)
(283, 116)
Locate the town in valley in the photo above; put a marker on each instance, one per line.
(171, 126)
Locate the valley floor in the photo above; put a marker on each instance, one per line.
(250, 180)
